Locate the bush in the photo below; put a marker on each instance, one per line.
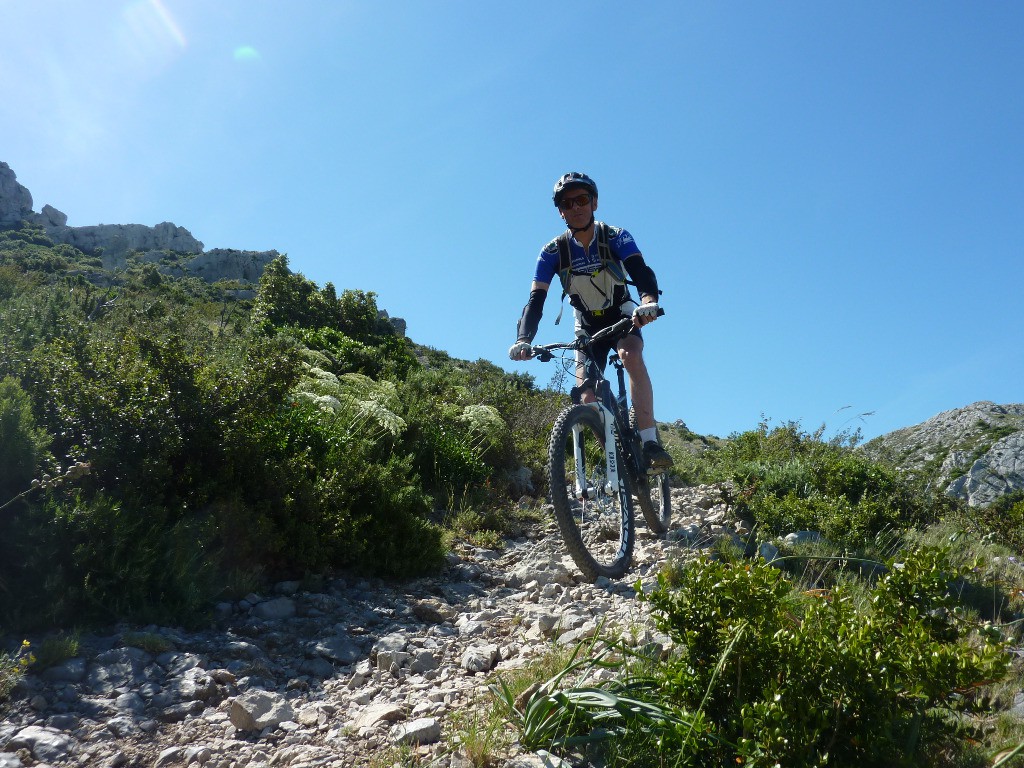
(838, 677)
(13, 668)
(786, 480)
(1004, 518)
(214, 447)
(22, 444)
(98, 560)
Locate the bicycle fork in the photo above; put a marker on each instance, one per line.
(583, 489)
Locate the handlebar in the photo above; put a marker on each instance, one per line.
(543, 352)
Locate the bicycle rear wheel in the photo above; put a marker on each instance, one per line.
(655, 497)
(655, 492)
(595, 518)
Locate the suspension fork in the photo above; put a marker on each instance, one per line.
(610, 451)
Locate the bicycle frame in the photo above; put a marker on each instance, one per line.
(614, 410)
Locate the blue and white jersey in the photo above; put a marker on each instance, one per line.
(620, 243)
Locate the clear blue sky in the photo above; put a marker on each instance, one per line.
(831, 194)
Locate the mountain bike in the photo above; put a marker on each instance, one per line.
(596, 465)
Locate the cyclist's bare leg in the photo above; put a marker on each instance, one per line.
(641, 391)
(587, 395)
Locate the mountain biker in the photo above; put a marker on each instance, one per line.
(589, 259)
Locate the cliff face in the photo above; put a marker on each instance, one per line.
(115, 241)
(975, 453)
(15, 200)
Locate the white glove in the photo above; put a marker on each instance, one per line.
(516, 351)
(645, 313)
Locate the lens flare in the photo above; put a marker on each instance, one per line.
(169, 23)
(246, 53)
(152, 24)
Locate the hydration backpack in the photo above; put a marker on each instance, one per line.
(592, 292)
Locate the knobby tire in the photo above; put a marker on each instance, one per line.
(655, 498)
(654, 494)
(599, 532)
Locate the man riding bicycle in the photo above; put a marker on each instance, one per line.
(592, 261)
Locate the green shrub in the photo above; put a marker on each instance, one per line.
(56, 649)
(13, 668)
(1004, 518)
(325, 495)
(213, 448)
(86, 560)
(796, 679)
(22, 444)
(786, 480)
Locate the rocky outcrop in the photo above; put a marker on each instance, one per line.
(15, 200)
(119, 239)
(397, 323)
(975, 453)
(999, 471)
(114, 239)
(165, 244)
(220, 264)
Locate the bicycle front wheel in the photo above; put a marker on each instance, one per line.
(594, 515)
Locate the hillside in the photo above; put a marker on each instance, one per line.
(974, 453)
(179, 423)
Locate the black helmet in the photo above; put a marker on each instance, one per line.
(570, 180)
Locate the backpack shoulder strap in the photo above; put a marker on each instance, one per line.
(564, 260)
(561, 245)
(604, 249)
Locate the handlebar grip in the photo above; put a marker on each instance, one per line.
(621, 325)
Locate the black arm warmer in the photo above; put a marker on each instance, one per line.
(532, 312)
(643, 276)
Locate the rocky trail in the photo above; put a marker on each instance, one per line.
(342, 675)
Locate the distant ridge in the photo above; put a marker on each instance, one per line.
(115, 241)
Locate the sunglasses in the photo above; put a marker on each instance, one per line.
(568, 203)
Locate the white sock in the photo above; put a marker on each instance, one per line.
(651, 433)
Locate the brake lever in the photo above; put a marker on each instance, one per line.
(544, 355)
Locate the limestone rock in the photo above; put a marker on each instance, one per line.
(379, 713)
(256, 710)
(339, 648)
(480, 658)
(425, 730)
(51, 217)
(978, 449)
(229, 264)
(45, 744)
(999, 471)
(275, 610)
(15, 199)
(117, 239)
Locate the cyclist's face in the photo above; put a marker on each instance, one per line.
(578, 215)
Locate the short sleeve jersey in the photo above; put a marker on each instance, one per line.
(620, 243)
